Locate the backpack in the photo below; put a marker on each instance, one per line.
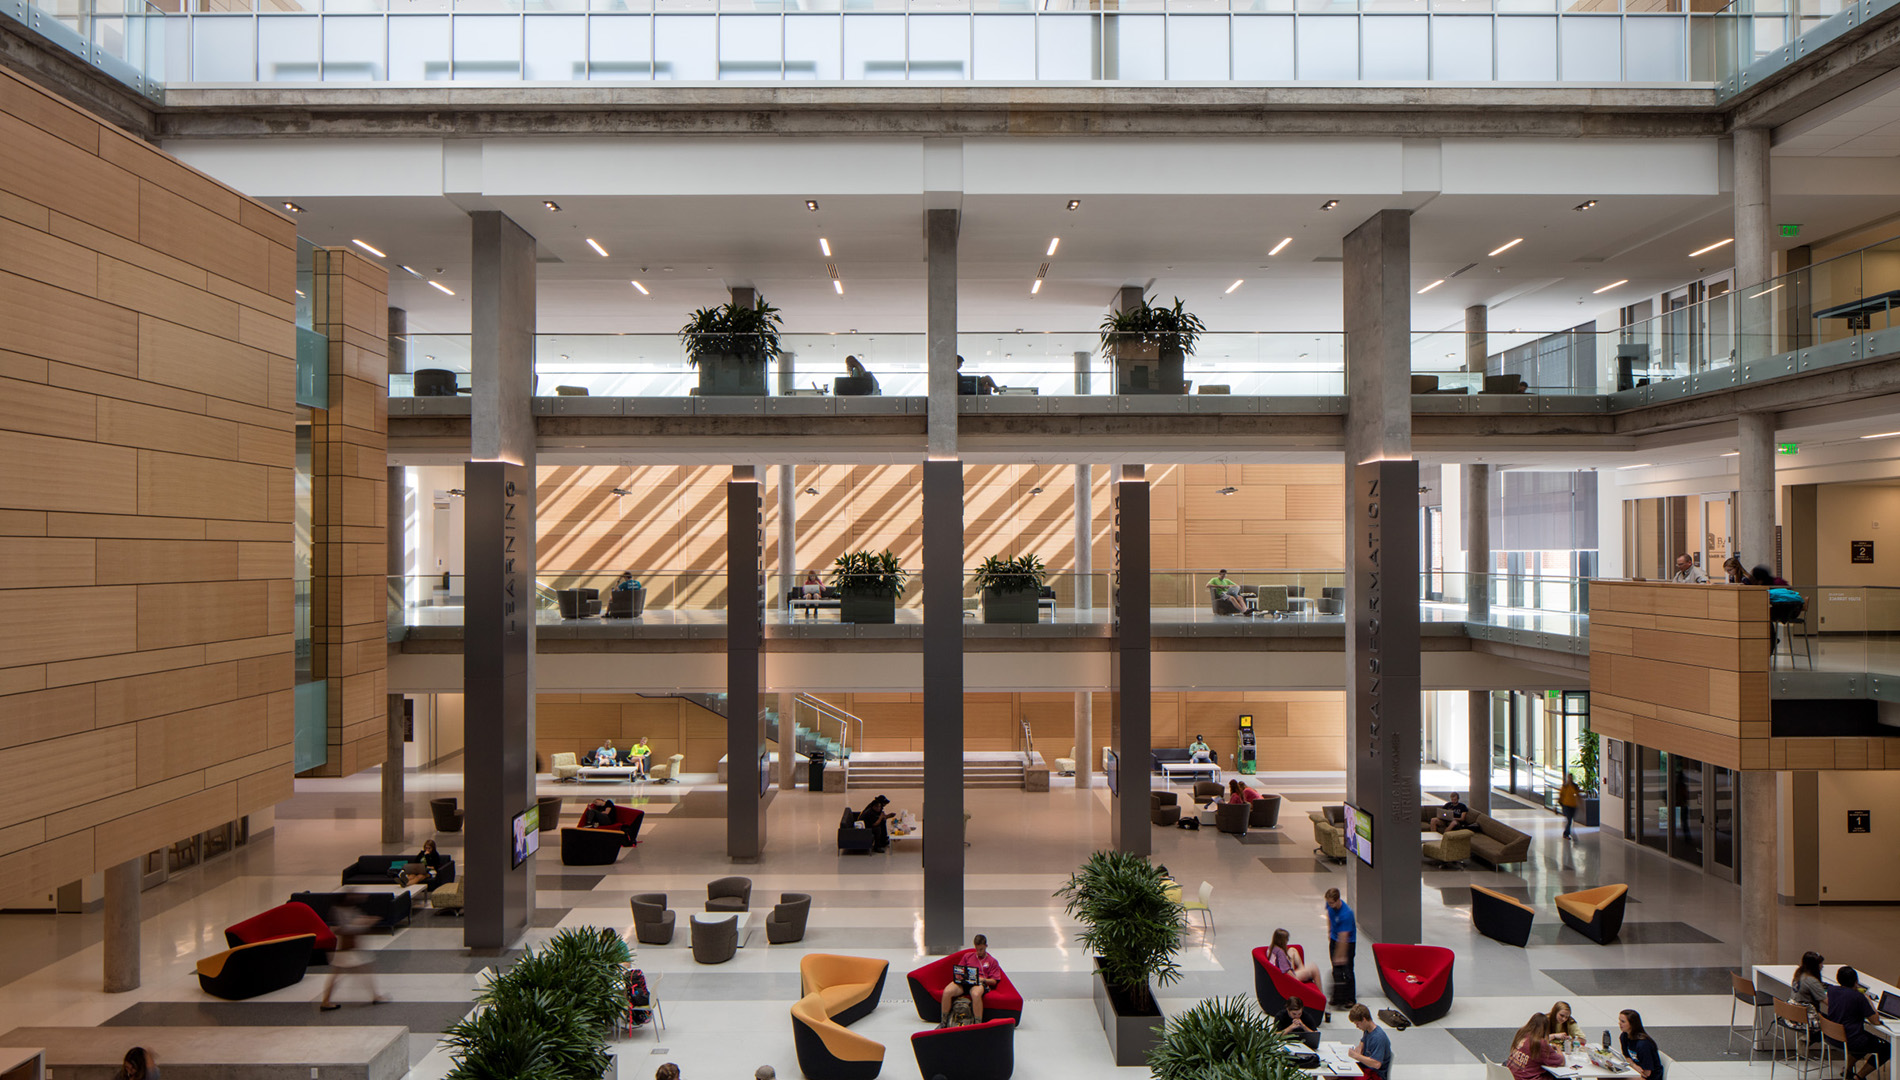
(638, 999)
(961, 1012)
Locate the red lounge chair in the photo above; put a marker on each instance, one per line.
(1429, 997)
(926, 990)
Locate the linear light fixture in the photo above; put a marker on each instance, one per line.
(1882, 435)
(837, 286)
(1432, 286)
(812, 205)
(369, 249)
(595, 244)
(642, 288)
(1238, 282)
(1053, 242)
(1494, 254)
(1587, 204)
(1738, 453)
(1643, 465)
(1035, 286)
(1279, 247)
(1607, 288)
(442, 288)
(824, 245)
(1766, 291)
(1712, 247)
(410, 270)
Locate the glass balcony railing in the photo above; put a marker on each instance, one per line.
(1000, 41)
(125, 39)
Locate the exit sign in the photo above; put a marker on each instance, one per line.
(1790, 230)
(1787, 448)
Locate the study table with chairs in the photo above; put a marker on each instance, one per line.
(1773, 985)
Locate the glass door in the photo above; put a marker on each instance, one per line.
(1686, 792)
(1650, 808)
(1721, 834)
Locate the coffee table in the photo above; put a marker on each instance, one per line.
(743, 918)
(606, 774)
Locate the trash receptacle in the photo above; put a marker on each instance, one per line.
(815, 779)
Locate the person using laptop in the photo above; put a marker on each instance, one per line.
(1199, 752)
(1453, 815)
(973, 972)
(1847, 1005)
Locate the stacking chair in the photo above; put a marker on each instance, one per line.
(1758, 1001)
(1832, 1035)
(1207, 913)
(1791, 1022)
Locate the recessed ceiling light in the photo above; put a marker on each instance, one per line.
(1053, 241)
(1712, 247)
(369, 249)
(1882, 435)
(1238, 282)
(824, 245)
(1075, 204)
(642, 288)
(293, 207)
(444, 288)
(1035, 286)
(1643, 465)
(1329, 204)
(1499, 251)
(595, 244)
(553, 207)
(837, 286)
(1587, 204)
(1281, 246)
(1607, 288)
(812, 205)
(1432, 286)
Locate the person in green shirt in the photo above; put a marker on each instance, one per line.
(641, 753)
(1226, 594)
(1198, 750)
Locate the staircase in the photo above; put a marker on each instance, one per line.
(907, 771)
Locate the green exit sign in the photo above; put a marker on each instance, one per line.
(1791, 230)
(1787, 448)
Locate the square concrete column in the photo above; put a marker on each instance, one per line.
(1754, 238)
(394, 491)
(1757, 824)
(1477, 507)
(1132, 680)
(943, 706)
(1084, 599)
(498, 639)
(746, 774)
(1382, 652)
(123, 919)
(940, 239)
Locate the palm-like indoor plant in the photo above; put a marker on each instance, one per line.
(1151, 344)
(1011, 588)
(1224, 1039)
(548, 1016)
(1590, 808)
(868, 584)
(1134, 929)
(730, 345)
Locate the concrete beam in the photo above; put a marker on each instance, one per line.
(1855, 58)
(34, 58)
(1826, 386)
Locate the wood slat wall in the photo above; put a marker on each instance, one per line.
(147, 443)
(348, 474)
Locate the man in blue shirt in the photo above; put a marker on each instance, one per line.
(1374, 1052)
(1342, 941)
(1847, 1005)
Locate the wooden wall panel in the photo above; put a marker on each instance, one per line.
(125, 380)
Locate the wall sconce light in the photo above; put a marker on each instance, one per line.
(1035, 491)
(811, 491)
(1228, 490)
(621, 491)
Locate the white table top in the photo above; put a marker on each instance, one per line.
(1773, 977)
(1577, 1064)
(1334, 1061)
(710, 917)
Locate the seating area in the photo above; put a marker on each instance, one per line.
(927, 984)
(387, 870)
(601, 845)
(257, 968)
(284, 920)
(1500, 917)
(1492, 841)
(1451, 848)
(985, 1051)
(1416, 979)
(729, 894)
(390, 908)
(715, 937)
(786, 922)
(837, 991)
(652, 919)
(1273, 988)
(1595, 913)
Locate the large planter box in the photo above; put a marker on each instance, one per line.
(1149, 370)
(729, 375)
(1011, 606)
(1130, 1036)
(866, 606)
(1590, 811)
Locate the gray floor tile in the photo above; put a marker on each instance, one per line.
(1592, 982)
(417, 1016)
(1266, 837)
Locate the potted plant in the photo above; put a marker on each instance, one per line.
(1223, 1037)
(1134, 928)
(868, 584)
(548, 1016)
(730, 344)
(1590, 810)
(1011, 588)
(1150, 345)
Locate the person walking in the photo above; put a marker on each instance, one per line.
(350, 922)
(1568, 797)
(1342, 940)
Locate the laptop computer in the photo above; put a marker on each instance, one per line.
(964, 973)
(1890, 1004)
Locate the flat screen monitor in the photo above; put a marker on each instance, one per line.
(1112, 769)
(527, 833)
(1359, 833)
(1890, 1004)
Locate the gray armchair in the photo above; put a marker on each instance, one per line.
(1232, 818)
(447, 814)
(1208, 789)
(1264, 812)
(1164, 807)
(714, 942)
(729, 894)
(786, 923)
(652, 922)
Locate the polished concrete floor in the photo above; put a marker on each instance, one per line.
(725, 1020)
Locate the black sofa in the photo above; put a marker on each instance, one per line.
(1168, 755)
(381, 870)
(852, 836)
(390, 909)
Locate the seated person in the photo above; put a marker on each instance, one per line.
(1732, 571)
(855, 369)
(978, 384)
(625, 582)
(640, 756)
(877, 819)
(988, 975)
(422, 868)
(604, 755)
(1847, 1005)
(1238, 792)
(1531, 1051)
(1290, 960)
(1453, 815)
(1226, 594)
(1688, 573)
(1638, 1048)
(598, 815)
(1169, 887)
(1293, 1022)
(1200, 752)
(813, 588)
(1374, 1050)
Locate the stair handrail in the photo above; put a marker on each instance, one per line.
(843, 718)
(1029, 742)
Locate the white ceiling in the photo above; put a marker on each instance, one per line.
(1862, 123)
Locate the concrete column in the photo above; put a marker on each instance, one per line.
(940, 236)
(1477, 327)
(1127, 298)
(1755, 490)
(745, 639)
(1082, 372)
(395, 491)
(498, 639)
(943, 702)
(1478, 747)
(787, 743)
(1382, 650)
(1084, 600)
(398, 341)
(787, 535)
(1476, 498)
(1756, 830)
(1132, 680)
(124, 883)
(1754, 236)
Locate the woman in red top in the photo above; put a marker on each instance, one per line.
(1531, 1052)
(1238, 792)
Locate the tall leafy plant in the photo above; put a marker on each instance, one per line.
(1588, 747)
(548, 1016)
(877, 572)
(1129, 921)
(733, 330)
(1152, 326)
(1011, 575)
(1223, 1039)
